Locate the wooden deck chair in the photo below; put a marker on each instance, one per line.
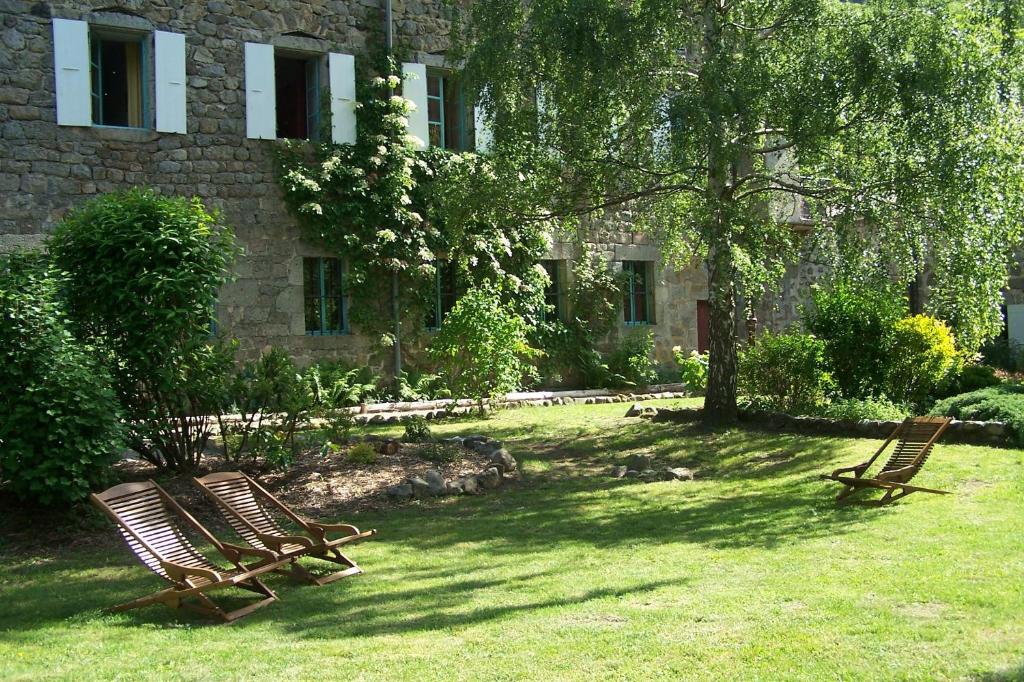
(150, 521)
(917, 436)
(246, 505)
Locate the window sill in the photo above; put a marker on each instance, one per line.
(344, 332)
(125, 134)
(639, 324)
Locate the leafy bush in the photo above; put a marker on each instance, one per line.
(362, 453)
(1003, 403)
(856, 409)
(971, 378)
(59, 429)
(272, 401)
(337, 384)
(922, 356)
(415, 385)
(440, 452)
(632, 360)
(1003, 354)
(784, 372)
(143, 276)
(855, 320)
(693, 370)
(481, 347)
(417, 430)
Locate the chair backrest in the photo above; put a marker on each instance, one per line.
(150, 523)
(243, 505)
(917, 437)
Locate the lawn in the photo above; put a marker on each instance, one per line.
(748, 572)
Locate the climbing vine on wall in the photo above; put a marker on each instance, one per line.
(387, 208)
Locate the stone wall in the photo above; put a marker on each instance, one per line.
(45, 169)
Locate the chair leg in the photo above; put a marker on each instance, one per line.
(846, 492)
(161, 597)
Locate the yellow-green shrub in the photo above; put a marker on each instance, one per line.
(922, 354)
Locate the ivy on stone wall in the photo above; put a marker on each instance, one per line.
(387, 208)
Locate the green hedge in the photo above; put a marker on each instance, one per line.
(1003, 403)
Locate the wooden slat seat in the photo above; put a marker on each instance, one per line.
(249, 508)
(916, 440)
(153, 526)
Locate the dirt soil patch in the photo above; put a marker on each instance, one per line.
(327, 487)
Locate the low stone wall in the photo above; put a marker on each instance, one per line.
(972, 432)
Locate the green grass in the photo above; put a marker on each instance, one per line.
(749, 572)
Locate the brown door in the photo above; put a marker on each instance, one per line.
(703, 327)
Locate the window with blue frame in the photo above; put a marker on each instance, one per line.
(445, 293)
(447, 112)
(297, 91)
(554, 294)
(638, 292)
(325, 306)
(118, 87)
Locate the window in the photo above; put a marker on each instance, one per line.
(297, 88)
(447, 120)
(553, 294)
(324, 297)
(638, 294)
(118, 87)
(445, 294)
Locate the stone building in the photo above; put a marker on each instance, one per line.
(188, 98)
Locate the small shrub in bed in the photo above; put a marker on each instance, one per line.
(784, 372)
(693, 370)
(922, 357)
(417, 430)
(362, 453)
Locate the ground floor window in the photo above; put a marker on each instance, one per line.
(324, 296)
(638, 293)
(445, 293)
(554, 292)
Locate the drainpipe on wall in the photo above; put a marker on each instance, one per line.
(395, 308)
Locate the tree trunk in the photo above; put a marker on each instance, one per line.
(720, 401)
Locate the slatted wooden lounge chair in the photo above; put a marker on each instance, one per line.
(247, 507)
(151, 522)
(916, 438)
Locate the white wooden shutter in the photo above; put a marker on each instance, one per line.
(260, 98)
(482, 130)
(169, 62)
(342, 73)
(414, 88)
(71, 72)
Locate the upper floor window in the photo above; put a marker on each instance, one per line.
(297, 92)
(554, 293)
(117, 65)
(638, 293)
(447, 112)
(323, 292)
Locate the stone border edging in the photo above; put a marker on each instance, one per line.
(970, 432)
(392, 413)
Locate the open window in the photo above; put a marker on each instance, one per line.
(448, 115)
(118, 64)
(297, 92)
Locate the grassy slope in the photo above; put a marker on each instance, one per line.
(750, 572)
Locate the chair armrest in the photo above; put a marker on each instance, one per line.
(322, 529)
(275, 541)
(234, 552)
(896, 475)
(180, 572)
(855, 470)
